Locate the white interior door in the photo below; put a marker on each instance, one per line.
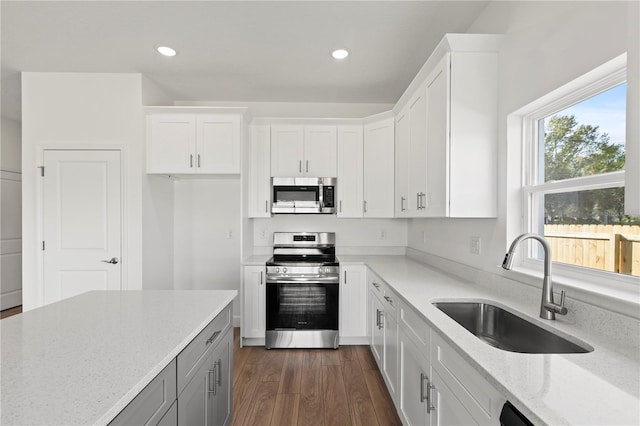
(82, 222)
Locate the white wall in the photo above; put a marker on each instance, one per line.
(546, 45)
(207, 235)
(73, 110)
(353, 236)
(157, 212)
(10, 214)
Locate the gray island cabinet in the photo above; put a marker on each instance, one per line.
(160, 357)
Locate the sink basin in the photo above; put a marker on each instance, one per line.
(504, 330)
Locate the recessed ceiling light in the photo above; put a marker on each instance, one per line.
(166, 51)
(340, 53)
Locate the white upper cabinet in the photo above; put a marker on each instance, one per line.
(298, 150)
(218, 143)
(287, 150)
(350, 171)
(411, 154)
(447, 132)
(171, 143)
(378, 168)
(320, 151)
(185, 143)
(403, 140)
(259, 172)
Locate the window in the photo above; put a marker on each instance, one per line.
(574, 175)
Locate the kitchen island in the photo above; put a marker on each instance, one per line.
(84, 359)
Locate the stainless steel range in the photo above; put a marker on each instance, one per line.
(302, 291)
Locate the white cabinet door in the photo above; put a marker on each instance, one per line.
(218, 143)
(171, 143)
(260, 172)
(254, 293)
(350, 171)
(390, 358)
(437, 140)
(414, 376)
(353, 301)
(378, 168)
(376, 315)
(320, 151)
(403, 139)
(287, 150)
(448, 409)
(417, 154)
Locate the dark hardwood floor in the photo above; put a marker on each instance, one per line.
(309, 387)
(11, 311)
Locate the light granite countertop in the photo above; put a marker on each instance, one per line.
(597, 388)
(82, 360)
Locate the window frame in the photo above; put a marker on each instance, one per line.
(623, 289)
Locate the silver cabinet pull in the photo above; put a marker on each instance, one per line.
(364, 206)
(345, 277)
(213, 337)
(300, 166)
(423, 377)
(218, 366)
(198, 160)
(209, 390)
(113, 261)
(388, 299)
(191, 161)
(307, 166)
(402, 200)
(266, 206)
(376, 285)
(340, 206)
(260, 277)
(418, 200)
(430, 406)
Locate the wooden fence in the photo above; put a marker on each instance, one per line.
(607, 247)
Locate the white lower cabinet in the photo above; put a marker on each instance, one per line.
(384, 331)
(254, 302)
(415, 373)
(429, 382)
(353, 302)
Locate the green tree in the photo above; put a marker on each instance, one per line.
(575, 150)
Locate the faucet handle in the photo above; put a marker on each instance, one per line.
(562, 295)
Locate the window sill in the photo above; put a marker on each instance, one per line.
(621, 295)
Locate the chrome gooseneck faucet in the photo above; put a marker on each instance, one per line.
(548, 309)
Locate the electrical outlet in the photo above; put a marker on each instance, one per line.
(229, 234)
(474, 245)
(383, 235)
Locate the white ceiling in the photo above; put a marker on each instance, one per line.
(234, 50)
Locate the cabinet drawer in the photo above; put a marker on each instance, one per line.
(150, 406)
(191, 356)
(477, 395)
(415, 327)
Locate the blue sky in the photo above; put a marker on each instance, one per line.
(606, 110)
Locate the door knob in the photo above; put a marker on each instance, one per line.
(113, 260)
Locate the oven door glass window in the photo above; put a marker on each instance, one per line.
(302, 306)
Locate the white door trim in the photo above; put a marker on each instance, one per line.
(124, 207)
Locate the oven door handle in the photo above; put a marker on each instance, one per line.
(335, 280)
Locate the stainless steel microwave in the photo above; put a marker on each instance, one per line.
(304, 195)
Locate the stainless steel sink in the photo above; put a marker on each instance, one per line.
(504, 330)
